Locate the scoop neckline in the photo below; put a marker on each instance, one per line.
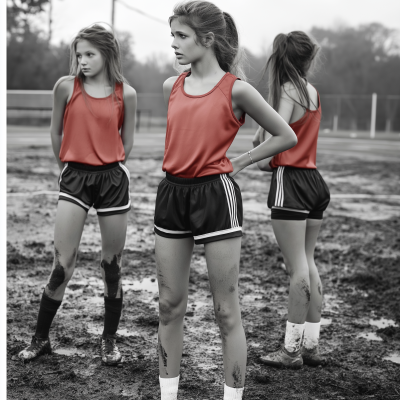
(200, 95)
(92, 97)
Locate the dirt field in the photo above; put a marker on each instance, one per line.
(358, 254)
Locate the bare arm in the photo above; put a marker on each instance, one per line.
(285, 110)
(128, 127)
(167, 88)
(246, 98)
(61, 93)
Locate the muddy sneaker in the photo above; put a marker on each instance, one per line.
(283, 359)
(110, 354)
(312, 357)
(35, 349)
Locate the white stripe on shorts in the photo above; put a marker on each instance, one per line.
(231, 200)
(230, 184)
(279, 195)
(114, 208)
(129, 179)
(223, 232)
(169, 231)
(74, 198)
(65, 167)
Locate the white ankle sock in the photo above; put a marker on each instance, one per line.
(169, 388)
(311, 334)
(293, 336)
(231, 393)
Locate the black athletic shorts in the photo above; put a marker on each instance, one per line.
(104, 187)
(208, 208)
(297, 194)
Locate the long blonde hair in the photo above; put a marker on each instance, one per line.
(106, 42)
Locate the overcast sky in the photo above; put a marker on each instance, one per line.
(258, 20)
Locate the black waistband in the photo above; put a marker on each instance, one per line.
(191, 181)
(87, 167)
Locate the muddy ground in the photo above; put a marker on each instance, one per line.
(358, 254)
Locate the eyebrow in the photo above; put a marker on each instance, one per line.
(182, 33)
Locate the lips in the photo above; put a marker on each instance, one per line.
(178, 54)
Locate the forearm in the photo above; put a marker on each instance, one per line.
(267, 149)
(127, 148)
(56, 140)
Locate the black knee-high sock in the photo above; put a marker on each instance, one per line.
(47, 311)
(113, 309)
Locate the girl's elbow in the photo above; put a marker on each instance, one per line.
(293, 140)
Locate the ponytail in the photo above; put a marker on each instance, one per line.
(291, 61)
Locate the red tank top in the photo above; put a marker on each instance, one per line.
(200, 130)
(91, 128)
(304, 154)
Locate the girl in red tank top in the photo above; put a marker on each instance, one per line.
(199, 201)
(92, 135)
(298, 195)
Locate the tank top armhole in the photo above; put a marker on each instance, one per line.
(74, 90)
(242, 118)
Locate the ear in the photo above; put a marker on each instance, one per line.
(208, 39)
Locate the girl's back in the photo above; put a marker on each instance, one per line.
(305, 123)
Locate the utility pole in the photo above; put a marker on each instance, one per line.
(50, 19)
(112, 13)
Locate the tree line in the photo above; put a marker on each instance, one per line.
(353, 60)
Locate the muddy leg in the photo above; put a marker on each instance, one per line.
(314, 312)
(173, 262)
(113, 235)
(290, 236)
(67, 235)
(223, 259)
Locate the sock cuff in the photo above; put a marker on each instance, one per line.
(169, 383)
(231, 393)
(49, 303)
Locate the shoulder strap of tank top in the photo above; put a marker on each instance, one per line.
(226, 84)
(178, 82)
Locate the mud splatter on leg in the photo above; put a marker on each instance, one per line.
(112, 275)
(163, 354)
(319, 289)
(57, 277)
(237, 376)
(306, 288)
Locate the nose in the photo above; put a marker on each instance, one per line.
(173, 45)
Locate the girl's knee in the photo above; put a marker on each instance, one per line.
(62, 271)
(111, 267)
(171, 310)
(227, 320)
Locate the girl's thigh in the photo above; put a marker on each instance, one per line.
(290, 236)
(173, 265)
(312, 230)
(223, 258)
(113, 232)
(70, 220)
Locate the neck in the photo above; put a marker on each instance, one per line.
(206, 67)
(97, 80)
